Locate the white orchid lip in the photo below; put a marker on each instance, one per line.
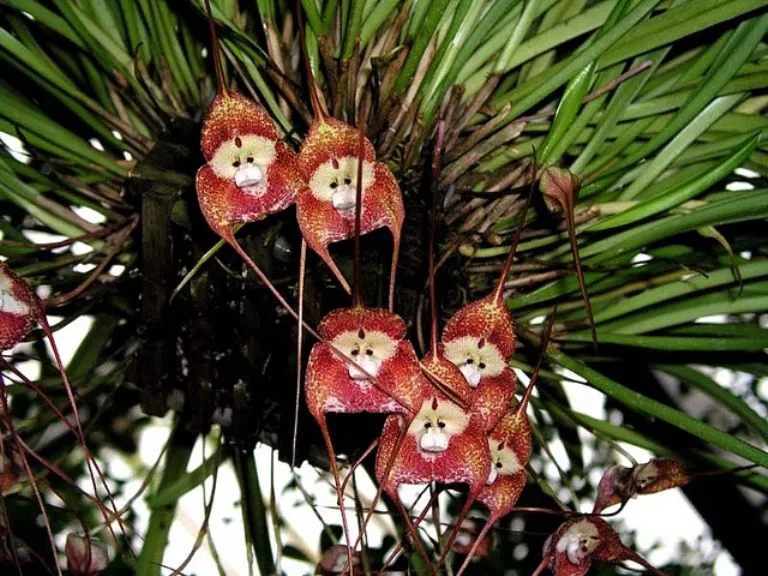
(434, 441)
(344, 198)
(370, 367)
(579, 541)
(11, 305)
(248, 176)
(575, 551)
(492, 475)
(471, 373)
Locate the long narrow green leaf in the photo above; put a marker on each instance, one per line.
(721, 395)
(179, 451)
(620, 100)
(46, 17)
(680, 142)
(751, 205)
(639, 403)
(625, 434)
(462, 21)
(96, 38)
(310, 12)
(754, 299)
(352, 34)
(700, 182)
(688, 287)
(29, 118)
(675, 343)
(688, 18)
(541, 86)
(583, 23)
(424, 35)
(378, 16)
(186, 482)
(567, 111)
(26, 198)
(735, 52)
(254, 510)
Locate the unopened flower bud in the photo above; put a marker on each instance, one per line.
(85, 557)
(559, 187)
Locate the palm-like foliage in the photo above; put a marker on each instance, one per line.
(654, 105)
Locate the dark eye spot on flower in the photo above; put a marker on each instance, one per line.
(482, 365)
(236, 163)
(428, 425)
(334, 184)
(250, 159)
(369, 352)
(441, 425)
(347, 181)
(470, 361)
(498, 465)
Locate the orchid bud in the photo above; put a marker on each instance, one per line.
(335, 561)
(559, 187)
(8, 476)
(85, 557)
(616, 486)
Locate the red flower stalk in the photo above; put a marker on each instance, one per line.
(560, 187)
(249, 174)
(383, 375)
(329, 161)
(20, 311)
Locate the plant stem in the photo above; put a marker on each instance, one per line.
(150, 560)
(253, 510)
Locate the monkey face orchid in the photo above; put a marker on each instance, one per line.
(329, 160)
(580, 541)
(20, 308)
(384, 375)
(443, 443)
(487, 320)
(248, 174)
(486, 370)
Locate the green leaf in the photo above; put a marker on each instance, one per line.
(567, 110)
(173, 491)
(424, 34)
(753, 299)
(682, 288)
(639, 403)
(670, 26)
(721, 395)
(734, 53)
(675, 343)
(537, 88)
(750, 205)
(254, 510)
(700, 182)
